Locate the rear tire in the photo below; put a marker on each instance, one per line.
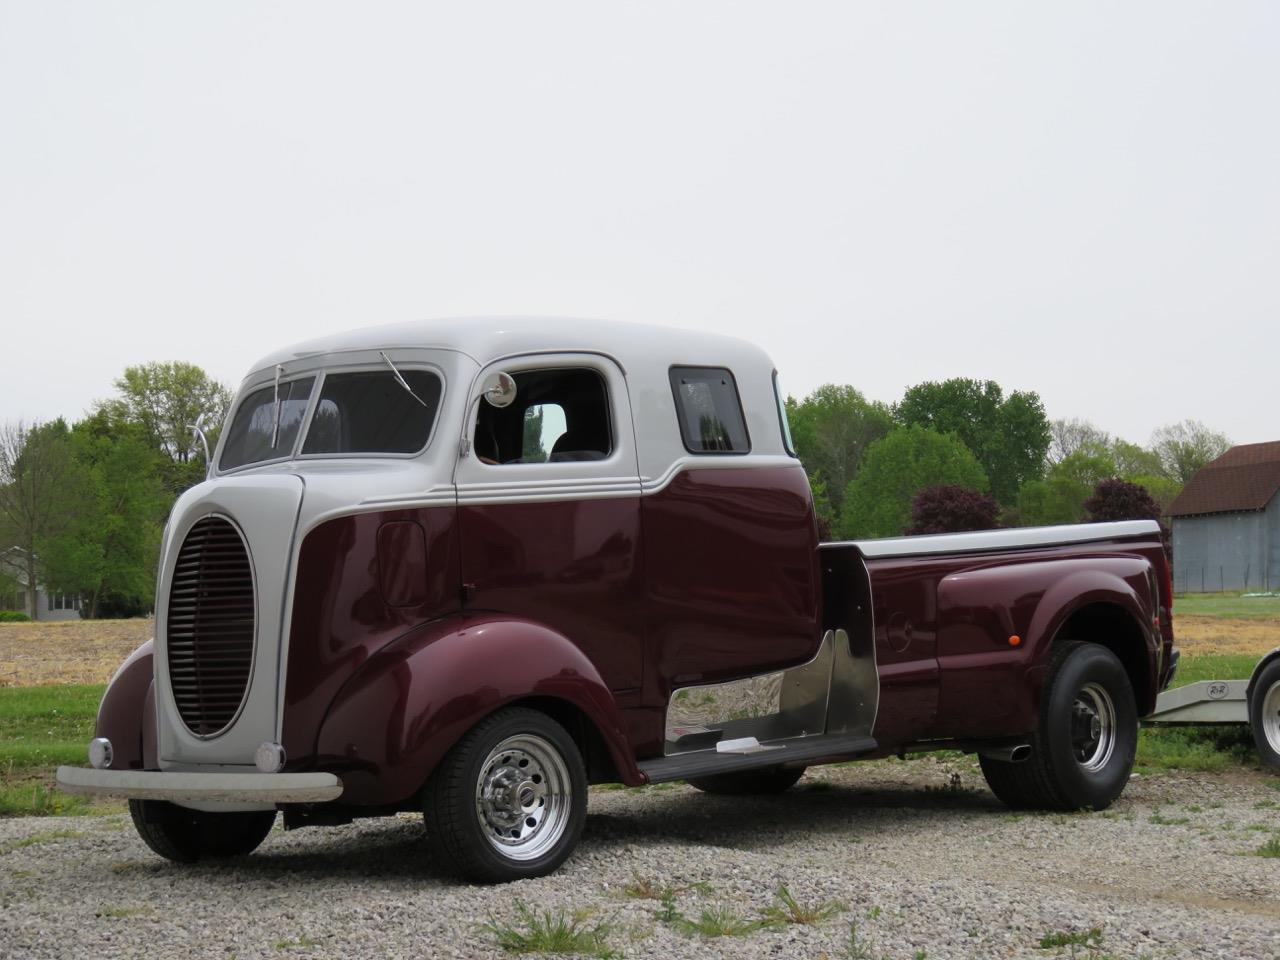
(747, 782)
(185, 836)
(509, 800)
(1083, 747)
(1264, 715)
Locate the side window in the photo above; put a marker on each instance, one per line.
(558, 416)
(709, 410)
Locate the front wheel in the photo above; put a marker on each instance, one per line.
(509, 800)
(1264, 714)
(185, 836)
(1083, 748)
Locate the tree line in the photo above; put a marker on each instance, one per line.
(981, 458)
(84, 503)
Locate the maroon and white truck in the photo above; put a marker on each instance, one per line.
(470, 567)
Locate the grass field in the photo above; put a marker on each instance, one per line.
(1232, 606)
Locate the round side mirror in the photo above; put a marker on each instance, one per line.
(499, 389)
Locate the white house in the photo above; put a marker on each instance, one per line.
(15, 591)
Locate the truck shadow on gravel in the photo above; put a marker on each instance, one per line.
(397, 848)
(748, 823)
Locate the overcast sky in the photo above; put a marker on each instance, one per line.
(1079, 199)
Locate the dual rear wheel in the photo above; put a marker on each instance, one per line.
(1083, 747)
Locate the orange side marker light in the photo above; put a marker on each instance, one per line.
(1015, 640)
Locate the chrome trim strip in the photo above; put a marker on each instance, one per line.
(986, 540)
(243, 787)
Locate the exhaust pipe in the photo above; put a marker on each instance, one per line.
(1015, 754)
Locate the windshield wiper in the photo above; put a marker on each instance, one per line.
(401, 380)
(275, 429)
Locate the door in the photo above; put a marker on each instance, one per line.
(549, 507)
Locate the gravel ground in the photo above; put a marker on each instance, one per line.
(925, 865)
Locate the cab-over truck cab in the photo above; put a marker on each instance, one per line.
(472, 566)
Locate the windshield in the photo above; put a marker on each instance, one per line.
(249, 440)
(372, 412)
(356, 413)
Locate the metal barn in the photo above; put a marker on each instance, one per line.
(1226, 523)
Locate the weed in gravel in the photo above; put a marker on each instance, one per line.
(1085, 944)
(47, 836)
(718, 922)
(1195, 808)
(855, 949)
(552, 932)
(1270, 849)
(303, 941)
(788, 910)
(1162, 821)
(642, 888)
(954, 787)
(668, 913)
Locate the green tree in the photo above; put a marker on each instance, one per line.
(1183, 448)
(877, 502)
(832, 428)
(1060, 496)
(107, 553)
(42, 490)
(1068, 436)
(1009, 436)
(165, 399)
(531, 448)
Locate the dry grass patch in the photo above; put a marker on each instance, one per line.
(71, 651)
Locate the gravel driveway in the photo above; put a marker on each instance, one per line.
(925, 865)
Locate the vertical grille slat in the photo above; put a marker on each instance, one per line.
(211, 621)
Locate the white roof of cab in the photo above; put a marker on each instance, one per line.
(486, 339)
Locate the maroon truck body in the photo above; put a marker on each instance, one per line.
(404, 629)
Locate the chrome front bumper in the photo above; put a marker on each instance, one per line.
(202, 787)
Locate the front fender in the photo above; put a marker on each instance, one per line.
(413, 700)
(127, 706)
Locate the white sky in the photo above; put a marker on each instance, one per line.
(1080, 199)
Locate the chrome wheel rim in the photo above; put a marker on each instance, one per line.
(1271, 716)
(523, 797)
(1093, 727)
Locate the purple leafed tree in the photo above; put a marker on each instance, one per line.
(950, 509)
(1117, 499)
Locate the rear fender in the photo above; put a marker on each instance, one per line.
(1262, 665)
(126, 715)
(990, 684)
(395, 719)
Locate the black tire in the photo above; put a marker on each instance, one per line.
(1068, 769)
(747, 782)
(1264, 714)
(480, 839)
(184, 836)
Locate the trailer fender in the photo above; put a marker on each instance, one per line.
(126, 715)
(1261, 665)
(398, 715)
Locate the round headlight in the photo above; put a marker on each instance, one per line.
(269, 757)
(99, 753)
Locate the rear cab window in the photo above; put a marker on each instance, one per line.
(709, 410)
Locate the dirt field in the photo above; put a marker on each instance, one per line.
(88, 651)
(73, 651)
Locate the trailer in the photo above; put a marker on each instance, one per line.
(1255, 701)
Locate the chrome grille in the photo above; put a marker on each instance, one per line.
(210, 626)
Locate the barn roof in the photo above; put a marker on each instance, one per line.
(1244, 478)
